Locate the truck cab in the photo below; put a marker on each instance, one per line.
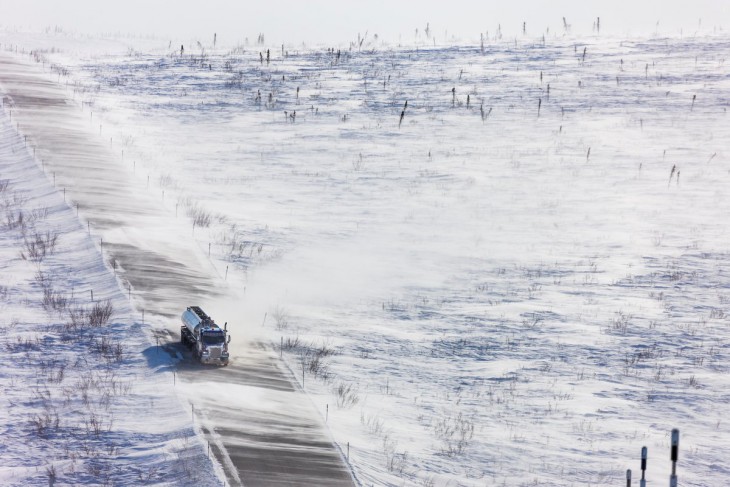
(208, 341)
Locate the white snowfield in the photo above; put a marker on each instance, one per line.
(518, 278)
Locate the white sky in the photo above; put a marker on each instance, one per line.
(338, 21)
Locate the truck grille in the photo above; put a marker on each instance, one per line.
(215, 353)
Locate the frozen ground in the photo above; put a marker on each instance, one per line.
(523, 282)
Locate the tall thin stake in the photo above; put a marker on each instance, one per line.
(675, 454)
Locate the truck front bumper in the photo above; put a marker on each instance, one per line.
(223, 360)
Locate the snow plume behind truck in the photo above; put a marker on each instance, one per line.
(207, 340)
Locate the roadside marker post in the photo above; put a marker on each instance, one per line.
(644, 454)
(675, 455)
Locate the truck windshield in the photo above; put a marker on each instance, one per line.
(213, 339)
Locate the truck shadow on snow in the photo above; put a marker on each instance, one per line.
(175, 356)
(164, 357)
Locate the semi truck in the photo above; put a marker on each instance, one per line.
(201, 334)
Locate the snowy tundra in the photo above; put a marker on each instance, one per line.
(492, 263)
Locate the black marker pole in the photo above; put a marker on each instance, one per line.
(644, 455)
(675, 454)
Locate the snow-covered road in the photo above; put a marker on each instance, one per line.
(263, 429)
